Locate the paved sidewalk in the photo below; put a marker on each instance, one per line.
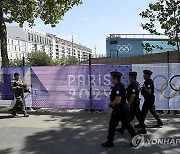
(78, 133)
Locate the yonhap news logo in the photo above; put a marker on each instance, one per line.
(139, 141)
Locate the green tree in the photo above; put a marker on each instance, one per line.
(166, 13)
(16, 63)
(39, 58)
(71, 60)
(20, 11)
(59, 62)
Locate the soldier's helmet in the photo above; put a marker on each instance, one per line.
(16, 74)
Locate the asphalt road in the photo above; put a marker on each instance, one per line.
(79, 133)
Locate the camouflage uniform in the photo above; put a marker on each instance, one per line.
(19, 87)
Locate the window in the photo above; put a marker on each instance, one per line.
(38, 39)
(8, 40)
(32, 37)
(113, 42)
(12, 41)
(29, 37)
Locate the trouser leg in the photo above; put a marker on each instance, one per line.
(154, 113)
(15, 108)
(114, 120)
(144, 112)
(125, 122)
(138, 113)
(131, 115)
(20, 102)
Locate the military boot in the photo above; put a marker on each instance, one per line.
(25, 114)
(14, 114)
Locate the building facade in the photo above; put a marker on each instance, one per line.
(36, 40)
(64, 48)
(21, 41)
(125, 45)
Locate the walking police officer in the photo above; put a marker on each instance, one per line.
(120, 109)
(148, 93)
(132, 99)
(19, 87)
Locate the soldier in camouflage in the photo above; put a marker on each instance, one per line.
(19, 87)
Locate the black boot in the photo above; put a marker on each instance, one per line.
(159, 124)
(14, 113)
(138, 126)
(142, 131)
(108, 144)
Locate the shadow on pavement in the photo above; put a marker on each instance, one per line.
(82, 133)
(6, 151)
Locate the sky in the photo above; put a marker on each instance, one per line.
(91, 22)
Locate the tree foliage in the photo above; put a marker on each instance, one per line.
(71, 60)
(60, 61)
(16, 63)
(21, 11)
(167, 14)
(49, 11)
(39, 58)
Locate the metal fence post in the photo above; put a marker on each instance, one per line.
(168, 75)
(90, 87)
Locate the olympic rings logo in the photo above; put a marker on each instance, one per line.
(124, 48)
(166, 84)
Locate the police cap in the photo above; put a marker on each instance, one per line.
(132, 73)
(116, 73)
(147, 72)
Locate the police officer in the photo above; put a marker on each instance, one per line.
(120, 110)
(18, 87)
(132, 99)
(148, 93)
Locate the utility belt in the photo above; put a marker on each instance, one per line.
(137, 102)
(121, 107)
(149, 96)
(149, 99)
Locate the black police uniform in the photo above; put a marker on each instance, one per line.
(133, 88)
(149, 101)
(119, 113)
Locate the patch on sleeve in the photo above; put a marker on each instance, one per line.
(149, 86)
(117, 92)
